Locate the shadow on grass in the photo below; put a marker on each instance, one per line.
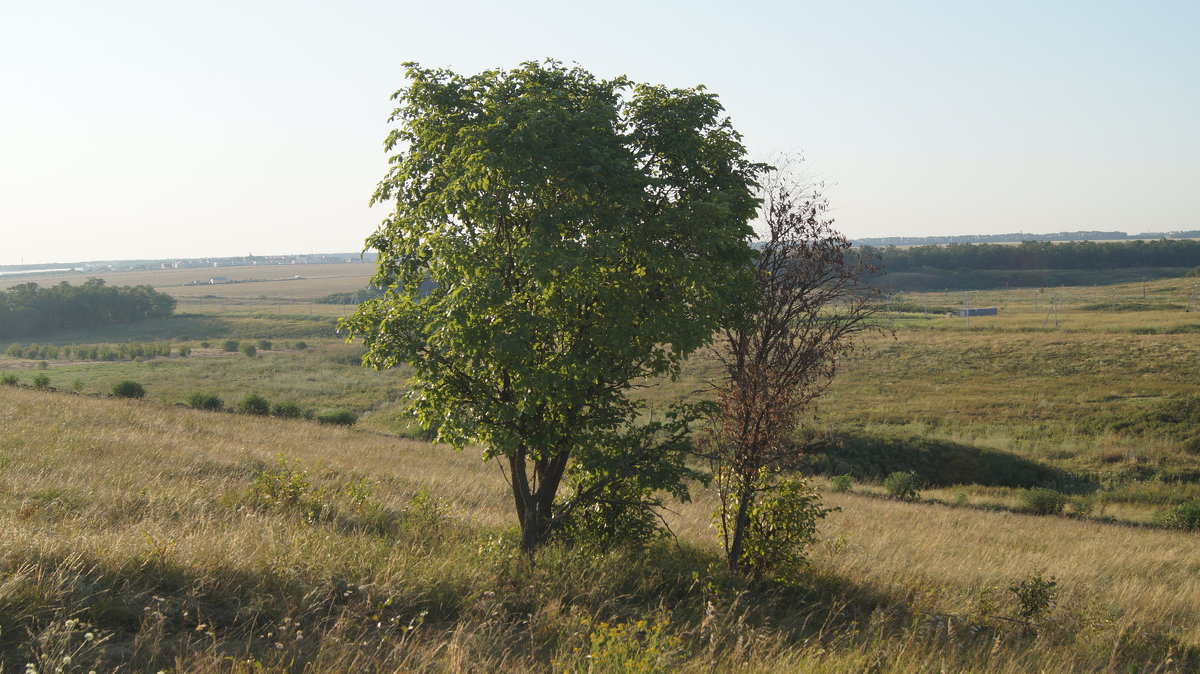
(939, 463)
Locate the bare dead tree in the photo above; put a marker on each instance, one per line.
(812, 301)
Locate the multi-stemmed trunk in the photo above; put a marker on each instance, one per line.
(535, 501)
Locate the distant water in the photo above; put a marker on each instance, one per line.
(36, 271)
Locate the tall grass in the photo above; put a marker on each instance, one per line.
(190, 541)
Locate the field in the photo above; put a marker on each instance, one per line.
(286, 289)
(242, 543)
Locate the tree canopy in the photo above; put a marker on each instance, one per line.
(28, 309)
(576, 234)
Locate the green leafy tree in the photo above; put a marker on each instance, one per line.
(555, 236)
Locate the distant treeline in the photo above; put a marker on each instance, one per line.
(27, 309)
(356, 297)
(364, 294)
(1014, 237)
(1030, 255)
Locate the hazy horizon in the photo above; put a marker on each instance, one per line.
(136, 130)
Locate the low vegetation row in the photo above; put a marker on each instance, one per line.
(253, 403)
(258, 405)
(105, 352)
(133, 350)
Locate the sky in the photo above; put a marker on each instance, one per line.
(162, 129)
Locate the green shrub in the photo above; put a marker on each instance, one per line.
(287, 410)
(1035, 596)
(264, 344)
(1185, 517)
(783, 523)
(205, 401)
(128, 389)
(1043, 501)
(9, 380)
(254, 404)
(185, 350)
(248, 350)
(903, 485)
(42, 365)
(204, 345)
(338, 417)
(300, 346)
(41, 382)
(1083, 505)
(289, 486)
(842, 483)
(231, 345)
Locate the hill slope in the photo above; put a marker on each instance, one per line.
(182, 541)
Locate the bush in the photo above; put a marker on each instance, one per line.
(185, 350)
(254, 404)
(903, 485)
(338, 417)
(9, 380)
(289, 486)
(41, 381)
(1035, 595)
(204, 345)
(300, 346)
(842, 483)
(128, 389)
(1083, 505)
(783, 523)
(287, 410)
(205, 401)
(1185, 517)
(231, 345)
(1043, 501)
(248, 350)
(264, 344)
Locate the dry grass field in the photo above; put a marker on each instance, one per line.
(323, 278)
(192, 541)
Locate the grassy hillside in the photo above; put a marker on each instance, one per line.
(1089, 390)
(190, 541)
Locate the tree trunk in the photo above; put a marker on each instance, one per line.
(536, 509)
(740, 521)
